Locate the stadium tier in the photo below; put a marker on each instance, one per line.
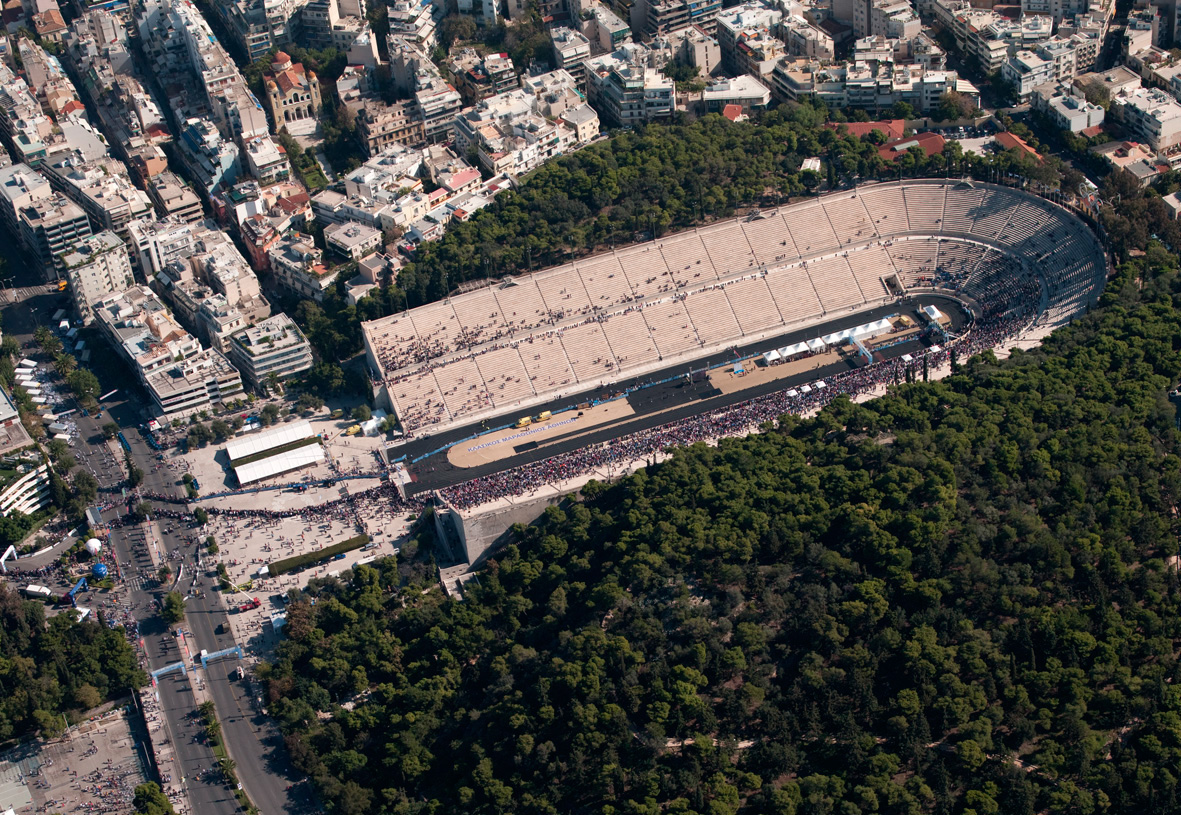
(523, 341)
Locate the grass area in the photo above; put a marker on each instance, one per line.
(275, 451)
(292, 563)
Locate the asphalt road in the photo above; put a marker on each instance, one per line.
(253, 740)
(654, 405)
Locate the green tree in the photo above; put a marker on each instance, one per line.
(83, 383)
(172, 611)
(362, 413)
(110, 430)
(150, 800)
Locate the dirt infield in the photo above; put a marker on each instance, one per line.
(502, 444)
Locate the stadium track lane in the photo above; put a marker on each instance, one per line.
(655, 405)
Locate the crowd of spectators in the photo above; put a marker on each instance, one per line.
(732, 420)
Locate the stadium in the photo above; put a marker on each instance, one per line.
(644, 318)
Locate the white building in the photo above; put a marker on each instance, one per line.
(96, 267)
(1151, 115)
(1026, 70)
(1067, 109)
(352, 240)
(275, 346)
(181, 377)
(626, 89)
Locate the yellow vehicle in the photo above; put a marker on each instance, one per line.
(336, 414)
(62, 284)
(524, 421)
(354, 430)
(544, 416)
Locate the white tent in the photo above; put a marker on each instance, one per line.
(771, 356)
(837, 337)
(876, 327)
(793, 349)
(817, 345)
(934, 349)
(793, 392)
(821, 384)
(805, 389)
(907, 358)
(933, 314)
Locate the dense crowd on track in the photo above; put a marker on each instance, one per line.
(729, 421)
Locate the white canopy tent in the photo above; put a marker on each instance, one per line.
(771, 356)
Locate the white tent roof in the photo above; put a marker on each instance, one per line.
(771, 356)
(793, 392)
(282, 463)
(932, 312)
(805, 388)
(907, 358)
(865, 330)
(817, 345)
(793, 349)
(821, 384)
(934, 349)
(268, 440)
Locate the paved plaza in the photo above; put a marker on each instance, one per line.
(94, 768)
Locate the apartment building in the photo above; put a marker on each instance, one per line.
(20, 186)
(352, 240)
(101, 187)
(660, 17)
(266, 160)
(522, 129)
(381, 126)
(96, 267)
(49, 227)
(214, 162)
(180, 377)
(1066, 107)
(272, 349)
(571, 50)
(476, 78)
(173, 197)
(626, 89)
(298, 265)
(1151, 115)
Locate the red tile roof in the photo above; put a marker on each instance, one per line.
(732, 112)
(931, 143)
(892, 129)
(1008, 141)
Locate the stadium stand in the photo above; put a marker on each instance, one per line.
(527, 340)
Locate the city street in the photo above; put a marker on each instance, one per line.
(253, 741)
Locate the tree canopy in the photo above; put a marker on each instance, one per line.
(55, 667)
(959, 598)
